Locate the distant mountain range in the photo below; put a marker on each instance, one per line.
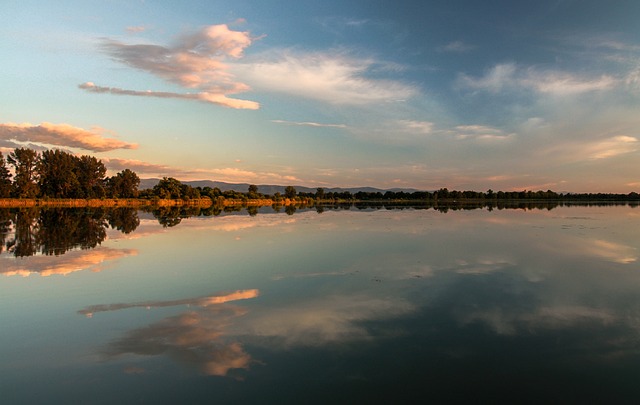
(270, 188)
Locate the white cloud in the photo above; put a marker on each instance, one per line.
(509, 76)
(420, 127)
(331, 77)
(457, 47)
(309, 124)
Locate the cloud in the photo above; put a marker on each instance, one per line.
(218, 99)
(200, 302)
(420, 127)
(194, 61)
(330, 77)
(136, 29)
(229, 174)
(481, 132)
(456, 47)
(309, 124)
(62, 135)
(194, 338)
(509, 76)
(595, 149)
(611, 147)
(71, 262)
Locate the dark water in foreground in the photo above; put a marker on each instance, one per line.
(346, 306)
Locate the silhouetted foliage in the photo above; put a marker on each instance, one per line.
(24, 162)
(123, 185)
(5, 179)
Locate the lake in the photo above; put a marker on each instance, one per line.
(335, 305)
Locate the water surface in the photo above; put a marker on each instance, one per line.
(344, 306)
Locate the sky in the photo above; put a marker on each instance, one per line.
(463, 94)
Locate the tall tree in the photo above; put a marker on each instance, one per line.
(124, 184)
(253, 191)
(90, 173)
(5, 179)
(57, 175)
(24, 161)
(290, 192)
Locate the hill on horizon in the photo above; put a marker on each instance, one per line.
(271, 188)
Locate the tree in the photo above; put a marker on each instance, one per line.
(24, 162)
(124, 184)
(90, 173)
(253, 191)
(320, 193)
(290, 192)
(168, 188)
(5, 179)
(57, 174)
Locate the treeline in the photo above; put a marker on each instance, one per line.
(59, 174)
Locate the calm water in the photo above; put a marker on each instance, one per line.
(343, 306)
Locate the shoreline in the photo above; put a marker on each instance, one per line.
(136, 202)
(264, 202)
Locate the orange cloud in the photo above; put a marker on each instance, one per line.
(200, 302)
(68, 263)
(61, 135)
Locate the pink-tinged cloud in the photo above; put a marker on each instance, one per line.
(136, 29)
(73, 261)
(194, 61)
(218, 99)
(63, 135)
(229, 174)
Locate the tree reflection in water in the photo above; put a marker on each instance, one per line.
(58, 230)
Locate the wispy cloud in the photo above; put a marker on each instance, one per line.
(480, 132)
(509, 76)
(199, 302)
(611, 147)
(136, 29)
(194, 61)
(62, 135)
(309, 124)
(230, 174)
(218, 99)
(331, 77)
(457, 47)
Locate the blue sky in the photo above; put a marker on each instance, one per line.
(507, 95)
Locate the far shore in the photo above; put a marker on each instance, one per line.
(134, 202)
(265, 202)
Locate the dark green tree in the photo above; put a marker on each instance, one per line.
(24, 162)
(290, 192)
(253, 191)
(123, 185)
(5, 179)
(90, 173)
(168, 188)
(57, 174)
(320, 193)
